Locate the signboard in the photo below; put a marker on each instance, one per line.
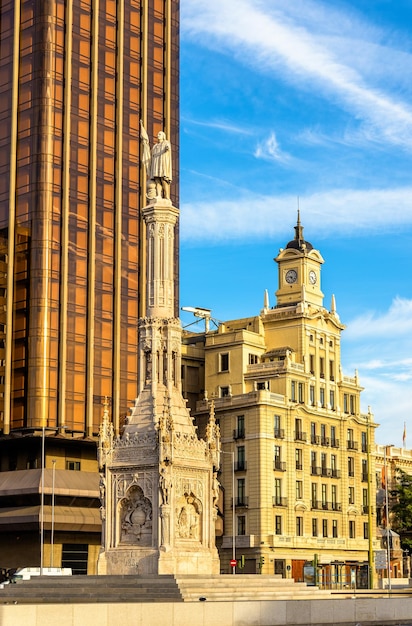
(381, 559)
(309, 575)
(233, 562)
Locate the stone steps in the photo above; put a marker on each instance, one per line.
(134, 589)
(91, 589)
(245, 587)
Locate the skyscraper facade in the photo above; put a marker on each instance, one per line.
(76, 77)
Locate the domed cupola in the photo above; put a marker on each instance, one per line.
(299, 243)
(299, 272)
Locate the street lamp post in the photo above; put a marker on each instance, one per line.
(233, 509)
(52, 520)
(405, 564)
(370, 539)
(42, 502)
(388, 547)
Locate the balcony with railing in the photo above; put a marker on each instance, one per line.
(335, 473)
(279, 433)
(279, 465)
(365, 509)
(273, 368)
(320, 505)
(300, 436)
(315, 440)
(241, 501)
(364, 477)
(351, 445)
(325, 441)
(334, 443)
(240, 466)
(279, 501)
(315, 470)
(239, 433)
(326, 471)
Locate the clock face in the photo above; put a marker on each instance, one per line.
(312, 277)
(291, 276)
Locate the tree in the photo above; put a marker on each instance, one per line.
(401, 508)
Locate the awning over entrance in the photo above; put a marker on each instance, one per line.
(66, 483)
(65, 518)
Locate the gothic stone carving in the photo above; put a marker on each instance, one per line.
(189, 518)
(136, 518)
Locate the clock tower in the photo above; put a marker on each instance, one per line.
(299, 267)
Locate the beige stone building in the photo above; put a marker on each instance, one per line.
(296, 471)
(388, 460)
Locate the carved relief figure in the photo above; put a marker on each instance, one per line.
(148, 356)
(189, 519)
(165, 527)
(165, 485)
(102, 489)
(136, 518)
(215, 490)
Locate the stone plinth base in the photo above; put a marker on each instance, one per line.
(140, 561)
(128, 561)
(190, 562)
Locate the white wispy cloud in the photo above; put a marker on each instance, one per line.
(396, 321)
(350, 211)
(338, 55)
(391, 404)
(223, 125)
(380, 344)
(270, 149)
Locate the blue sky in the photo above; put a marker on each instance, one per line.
(286, 102)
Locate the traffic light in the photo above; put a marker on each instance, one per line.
(262, 561)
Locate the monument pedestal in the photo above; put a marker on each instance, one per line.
(158, 479)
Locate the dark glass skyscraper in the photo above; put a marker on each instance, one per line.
(76, 76)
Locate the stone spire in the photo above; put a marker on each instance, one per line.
(266, 300)
(106, 435)
(160, 478)
(299, 231)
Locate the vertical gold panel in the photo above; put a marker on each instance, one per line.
(168, 66)
(64, 271)
(118, 217)
(40, 246)
(144, 118)
(91, 272)
(12, 219)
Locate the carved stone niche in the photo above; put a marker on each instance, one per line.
(135, 513)
(189, 518)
